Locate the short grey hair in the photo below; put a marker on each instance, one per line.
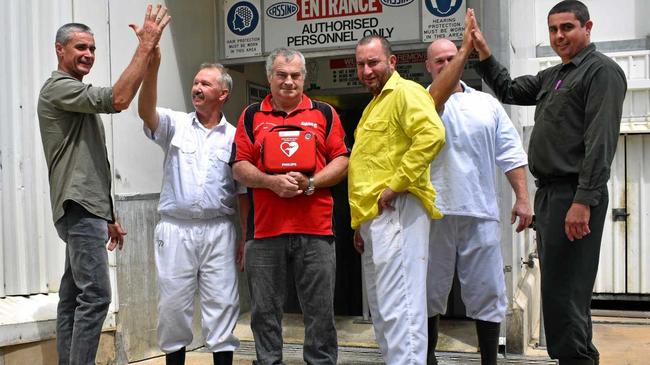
(287, 53)
(66, 31)
(226, 79)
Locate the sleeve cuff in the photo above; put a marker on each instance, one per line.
(486, 64)
(397, 185)
(163, 125)
(108, 102)
(514, 165)
(148, 133)
(587, 197)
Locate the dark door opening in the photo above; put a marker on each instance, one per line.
(348, 292)
(348, 295)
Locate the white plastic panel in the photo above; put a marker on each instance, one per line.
(188, 41)
(636, 108)
(633, 63)
(625, 250)
(638, 206)
(611, 267)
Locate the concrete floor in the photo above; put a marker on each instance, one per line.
(620, 340)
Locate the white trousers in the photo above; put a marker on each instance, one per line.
(470, 246)
(395, 268)
(196, 255)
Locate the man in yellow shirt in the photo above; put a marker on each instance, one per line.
(391, 196)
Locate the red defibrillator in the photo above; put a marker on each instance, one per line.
(289, 148)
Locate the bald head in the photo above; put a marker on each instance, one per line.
(439, 54)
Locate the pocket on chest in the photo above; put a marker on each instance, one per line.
(374, 136)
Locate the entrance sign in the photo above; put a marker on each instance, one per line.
(443, 19)
(243, 28)
(323, 24)
(314, 25)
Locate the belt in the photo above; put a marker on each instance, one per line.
(570, 179)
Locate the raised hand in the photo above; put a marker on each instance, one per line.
(480, 44)
(470, 23)
(155, 21)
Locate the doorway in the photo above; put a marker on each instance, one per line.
(348, 296)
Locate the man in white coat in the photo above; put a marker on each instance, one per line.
(195, 238)
(479, 135)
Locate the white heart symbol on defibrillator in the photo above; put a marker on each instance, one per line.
(289, 148)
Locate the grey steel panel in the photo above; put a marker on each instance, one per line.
(137, 281)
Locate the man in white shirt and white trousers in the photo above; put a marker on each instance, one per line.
(196, 236)
(479, 135)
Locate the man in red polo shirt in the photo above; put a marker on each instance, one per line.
(292, 221)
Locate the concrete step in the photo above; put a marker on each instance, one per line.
(357, 345)
(292, 355)
(371, 356)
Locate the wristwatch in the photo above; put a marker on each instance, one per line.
(310, 186)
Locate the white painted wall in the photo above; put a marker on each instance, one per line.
(188, 41)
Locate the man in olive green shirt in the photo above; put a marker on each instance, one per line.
(80, 179)
(577, 119)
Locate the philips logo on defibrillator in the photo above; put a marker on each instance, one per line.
(396, 3)
(282, 10)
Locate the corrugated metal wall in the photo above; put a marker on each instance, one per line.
(137, 280)
(30, 253)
